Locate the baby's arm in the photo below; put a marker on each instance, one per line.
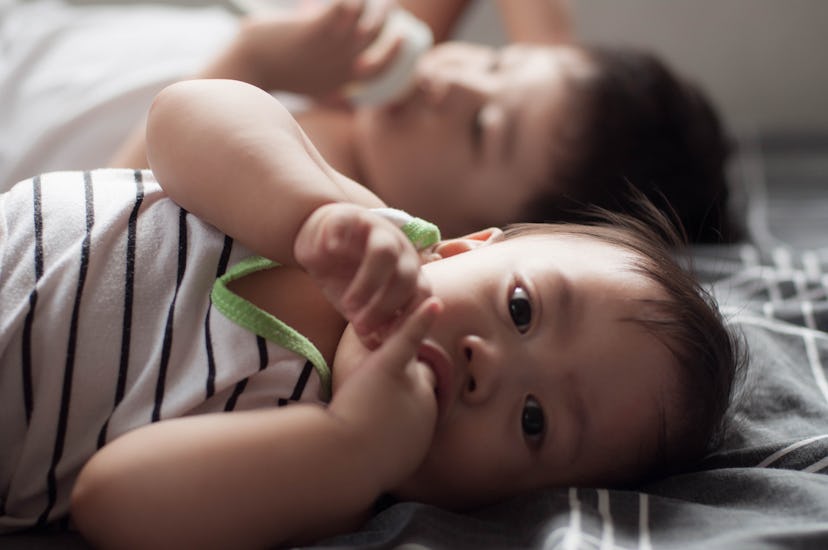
(232, 155)
(308, 51)
(313, 50)
(229, 153)
(268, 477)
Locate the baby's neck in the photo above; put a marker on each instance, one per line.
(291, 296)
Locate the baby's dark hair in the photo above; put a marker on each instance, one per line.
(636, 122)
(710, 355)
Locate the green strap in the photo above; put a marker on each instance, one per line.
(247, 315)
(421, 233)
(244, 313)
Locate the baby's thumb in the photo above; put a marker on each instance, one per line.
(401, 346)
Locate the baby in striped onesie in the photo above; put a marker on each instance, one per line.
(244, 348)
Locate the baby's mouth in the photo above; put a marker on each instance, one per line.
(436, 359)
(426, 362)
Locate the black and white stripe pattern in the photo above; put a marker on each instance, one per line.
(107, 325)
(129, 291)
(169, 323)
(26, 362)
(72, 343)
(208, 339)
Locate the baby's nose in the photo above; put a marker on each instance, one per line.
(481, 370)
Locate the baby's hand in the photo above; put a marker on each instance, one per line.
(317, 49)
(387, 399)
(366, 267)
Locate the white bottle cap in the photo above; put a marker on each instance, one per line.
(397, 78)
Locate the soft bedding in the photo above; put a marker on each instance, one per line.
(61, 90)
(766, 486)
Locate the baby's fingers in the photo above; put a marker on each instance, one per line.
(376, 59)
(386, 283)
(387, 310)
(355, 21)
(343, 15)
(402, 346)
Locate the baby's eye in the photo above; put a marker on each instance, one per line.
(532, 420)
(520, 309)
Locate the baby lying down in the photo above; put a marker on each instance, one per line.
(253, 349)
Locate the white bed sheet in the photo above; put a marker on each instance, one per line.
(74, 80)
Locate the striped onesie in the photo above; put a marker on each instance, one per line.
(115, 314)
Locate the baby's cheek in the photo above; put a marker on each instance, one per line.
(461, 477)
(454, 455)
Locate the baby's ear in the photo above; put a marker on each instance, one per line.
(450, 247)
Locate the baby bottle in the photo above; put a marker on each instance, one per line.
(398, 77)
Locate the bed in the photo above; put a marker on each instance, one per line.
(765, 487)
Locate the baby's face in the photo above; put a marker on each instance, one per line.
(471, 146)
(542, 378)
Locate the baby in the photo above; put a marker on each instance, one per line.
(254, 280)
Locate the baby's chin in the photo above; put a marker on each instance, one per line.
(442, 495)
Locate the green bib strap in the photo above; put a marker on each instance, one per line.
(420, 232)
(247, 315)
